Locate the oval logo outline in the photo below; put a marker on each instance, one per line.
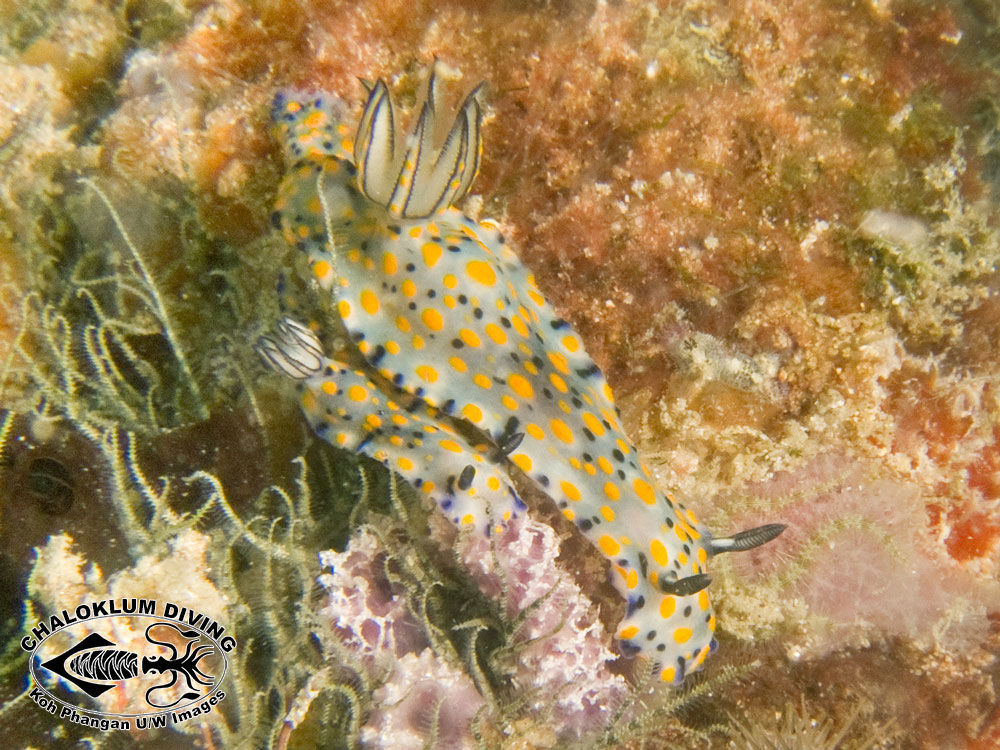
(33, 666)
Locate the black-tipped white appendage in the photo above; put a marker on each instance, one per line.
(685, 586)
(294, 351)
(420, 178)
(747, 539)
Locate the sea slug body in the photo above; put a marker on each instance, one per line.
(443, 310)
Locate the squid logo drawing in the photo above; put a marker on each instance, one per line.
(128, 663)
(95, 665)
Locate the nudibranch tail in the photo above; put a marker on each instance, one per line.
(446, 316)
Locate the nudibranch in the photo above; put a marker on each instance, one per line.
(447, 317)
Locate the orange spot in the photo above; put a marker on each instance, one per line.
(432, 319)
(432, 253)
(321, 269)
(369, 301)
(357, 393)
(330, 387)
(630, 632)
(408, 288)
(682, 635)
(481, 272)
(609, 546)
(427, 373)
(470, 338)
(389, 263)
(535, 431)
(559, 362)
(315, 119)
(482, 381)
(609, 515)
(472, 412)
(570, 490)
(457, 364)
(451, 445)
(558, 382)
(522, 461)
(593, 424)
(496, 333)
(644, 491)
(611, 490)
(520, 386)
(667, 675)
(667, 606)
(519, 325)
(659, 553)
(561, 430)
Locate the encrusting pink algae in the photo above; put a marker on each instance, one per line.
(775, 228)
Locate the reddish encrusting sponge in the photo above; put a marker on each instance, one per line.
(441, 308)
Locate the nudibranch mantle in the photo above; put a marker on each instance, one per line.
(441, 307)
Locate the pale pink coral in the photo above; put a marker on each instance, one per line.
(422, 698)
(368, 612)
(564, 648)
(423, 693)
